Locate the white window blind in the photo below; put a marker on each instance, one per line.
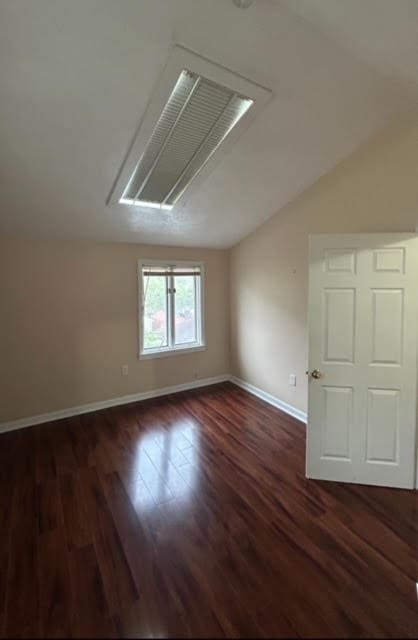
(175, 271)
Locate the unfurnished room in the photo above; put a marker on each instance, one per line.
(208, 318)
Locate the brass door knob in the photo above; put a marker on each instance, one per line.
(316, 374)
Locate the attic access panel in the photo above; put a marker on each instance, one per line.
(196, 113)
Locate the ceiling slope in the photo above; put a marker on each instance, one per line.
(381, 33)
(76, 77)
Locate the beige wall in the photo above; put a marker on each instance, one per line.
(68, 310)
(68, 321)
(376, 189)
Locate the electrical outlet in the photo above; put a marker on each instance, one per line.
(292, 380)
(124, 369)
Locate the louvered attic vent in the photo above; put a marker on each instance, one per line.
(197, 111)
(197, 117)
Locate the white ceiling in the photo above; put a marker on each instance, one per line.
(382, 33)
(76, 75)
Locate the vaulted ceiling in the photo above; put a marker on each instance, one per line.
(76, 76)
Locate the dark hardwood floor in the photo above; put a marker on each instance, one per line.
(190, 516)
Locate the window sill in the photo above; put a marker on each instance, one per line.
(171, 352)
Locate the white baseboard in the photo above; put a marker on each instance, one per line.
(279, 404)
(104, 404)
(31, 421)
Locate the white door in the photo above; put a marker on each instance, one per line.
(363, 294)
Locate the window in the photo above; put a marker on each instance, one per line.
(171, 315)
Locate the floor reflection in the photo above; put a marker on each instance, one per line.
(166, 465)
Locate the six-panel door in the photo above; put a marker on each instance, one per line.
(362, 339)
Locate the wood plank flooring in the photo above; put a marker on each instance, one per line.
(190, 516)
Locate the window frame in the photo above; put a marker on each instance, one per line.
(172, 349)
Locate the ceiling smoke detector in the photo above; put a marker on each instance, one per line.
(242, 4)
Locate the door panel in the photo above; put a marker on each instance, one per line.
(389, 260)
(387, 326)
(339, 306)
(338, 423)
(362, 338)
(340, 261)
(383, 425)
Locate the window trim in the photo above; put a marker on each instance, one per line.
(182, 348)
